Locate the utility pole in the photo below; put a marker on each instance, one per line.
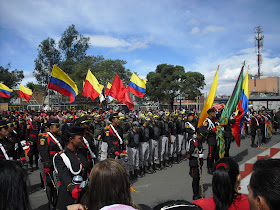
(259, 44)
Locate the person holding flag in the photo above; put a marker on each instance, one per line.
(211, 139)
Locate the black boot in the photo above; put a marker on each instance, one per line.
(180, 158)
(154, 168)
(142, 172)
(171, 161)
(158, 167)
(162, 166)
(148, 169)
(166, 164)
(177, 159)
(137, 174)
(131, 176)
(210, 171)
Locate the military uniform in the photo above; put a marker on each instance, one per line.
(133, 152)
(195, 155)
(212, 144)
(70, 163)
(228, 136)
(31, 135)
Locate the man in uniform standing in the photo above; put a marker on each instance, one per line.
(209, 123)
(31, 135)
(49, 145)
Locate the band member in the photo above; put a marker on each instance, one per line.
(195, 155)
(49, 145)
(31, 135)
(72, 168)
(209, 123)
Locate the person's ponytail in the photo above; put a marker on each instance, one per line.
(223, 183)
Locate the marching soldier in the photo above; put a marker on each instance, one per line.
(144, 148)
(133, 152)
(191, 127)
(180, 137)
(209, 123)
(228, 135)
(31, 135)
(72, 168)
(114, 137)
(164, 138)
(195, 156)
(7, 148)
(88, 142)
(50, 144)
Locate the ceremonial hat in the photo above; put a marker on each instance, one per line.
(113, 116)
(74, 130)
(203, 131)
(190, 114)
(210, 110)
(82, 120)
(3, 124)
(53, 121)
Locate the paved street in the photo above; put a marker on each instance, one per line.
(172, 183)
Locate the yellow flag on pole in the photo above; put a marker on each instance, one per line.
(209, 101)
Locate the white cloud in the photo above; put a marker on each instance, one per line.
(195, 30)
(210, 29)
(231, 66)
(107, 41)
(136, 61)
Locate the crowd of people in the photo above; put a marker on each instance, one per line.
(74, 148)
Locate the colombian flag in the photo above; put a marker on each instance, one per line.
(61, 83)
(5, 91)
(242, 109)
(137, 86)
(25, 93)
(92, 88)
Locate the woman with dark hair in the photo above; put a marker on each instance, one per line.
(225, 183)
(108, 185)
(13, 190)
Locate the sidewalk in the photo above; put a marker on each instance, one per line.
(246, 168)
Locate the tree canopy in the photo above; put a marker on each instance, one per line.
(169, 81)
(70, 54)
(10, 78)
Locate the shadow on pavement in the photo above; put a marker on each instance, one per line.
(240, 156)
(43, 207)
(206, 186)
(34, 188)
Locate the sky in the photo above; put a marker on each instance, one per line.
(196, 34)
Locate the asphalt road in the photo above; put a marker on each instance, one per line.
(171, 184)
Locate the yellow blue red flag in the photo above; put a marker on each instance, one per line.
(63, 84)
(5, 91)
(137, 86)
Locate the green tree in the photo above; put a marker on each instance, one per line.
(48, 55)
(10, 78)
(104, 70)
(73, 46)
(169, 81)
(34, 87)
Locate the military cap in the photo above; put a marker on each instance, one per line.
(10, 124)
(3, 124)
(203, 131)
(53, 121)
(113, 116)
(210, 110)
(75, 130)
(82, 120)
(189, 114)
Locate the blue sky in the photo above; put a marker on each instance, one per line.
(197, 34)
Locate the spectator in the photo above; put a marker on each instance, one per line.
(225, 182)
(108, 185)
(264, 187)
(13, 182)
